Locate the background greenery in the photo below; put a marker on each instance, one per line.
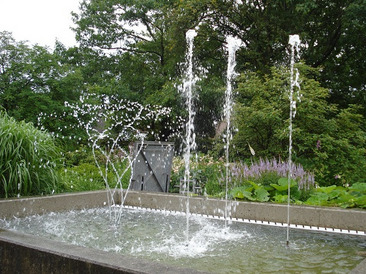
(146, 64)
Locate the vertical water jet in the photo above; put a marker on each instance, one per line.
(294, 41)
(233, 44)
(190, 137)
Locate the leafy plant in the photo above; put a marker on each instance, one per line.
(263, 193)
(28, 159)
(85, 174)
(252, 192)
(283, 184)
(354, 196)
(268, 172)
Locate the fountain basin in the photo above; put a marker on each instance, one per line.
(21, 250)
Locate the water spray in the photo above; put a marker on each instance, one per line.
(109, 124)
(190, 138)
(294, 41)
(233, 44)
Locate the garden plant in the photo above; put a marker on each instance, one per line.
(29, 159)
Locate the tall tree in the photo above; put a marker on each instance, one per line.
(149, 37)
(139, 27)
(34, 80)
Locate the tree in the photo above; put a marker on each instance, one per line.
(32, 80)
(138, 27)
(326, 140)
(345, 69)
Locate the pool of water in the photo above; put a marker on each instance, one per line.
(161, 236)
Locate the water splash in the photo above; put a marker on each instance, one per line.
(205, 238)
(294, 41)
(233, 44)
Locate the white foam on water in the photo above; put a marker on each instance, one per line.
(205, 237)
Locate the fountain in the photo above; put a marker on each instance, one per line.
(232, 44)
(294, 41)
(190, 138)
(149, 229)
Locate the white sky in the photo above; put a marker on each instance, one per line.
(39, 21)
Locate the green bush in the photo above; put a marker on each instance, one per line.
(275, 192)
(84, 177)
(345, 197)
(81, 172)
(28, 159)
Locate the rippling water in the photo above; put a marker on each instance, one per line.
(160, 236)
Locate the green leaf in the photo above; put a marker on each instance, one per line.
(242, 193)
(283, 184)
(268, 188)
(284, 181)
(359, 187)
(280, 198)
(361, 201)
(335, 193)
(280, 187)
(238, 194)
(261, 195)
(318, 198)
(256, 186)
(346, 200)
(327, 190)
(248, 195)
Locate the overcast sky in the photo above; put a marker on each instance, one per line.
(39, 21)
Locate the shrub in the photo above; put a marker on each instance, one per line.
(81, 178)
(267, 172)
(345, 197)
(266, 180)
(81, 172)
(208, 173)
(28, 159)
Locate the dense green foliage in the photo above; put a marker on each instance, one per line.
(33, 80)
(327, 140)
(27, 159)
(135, 50)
